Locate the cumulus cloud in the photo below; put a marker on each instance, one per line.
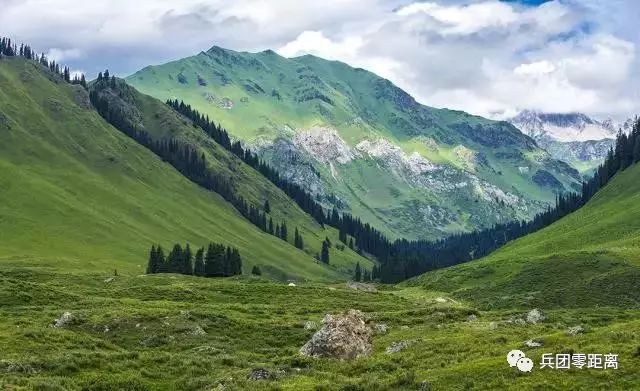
(487, 57)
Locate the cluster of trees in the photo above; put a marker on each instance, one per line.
(361, 274)
(185, 158)
(9, 49)
(216, 261)
(367, 238)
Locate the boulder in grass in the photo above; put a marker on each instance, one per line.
(346, 336)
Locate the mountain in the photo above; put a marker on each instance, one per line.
(589, 258)
(362, 145)
(77, 193)
(573, 137)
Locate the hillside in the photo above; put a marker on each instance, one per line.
(361, 144)
(79, 194)
(589, 258)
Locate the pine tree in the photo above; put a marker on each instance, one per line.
(283, 231)
(358, 273)
(271, 230)
(342, 236)
(187, 261)
(351, 243)
(152, 265)
(324, 253)
(198, 268)
(215, 261)
(297, 239)
(161, 261)
(255, 270)
(267, 207)
(176, 259)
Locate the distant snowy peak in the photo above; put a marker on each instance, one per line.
(564, 127)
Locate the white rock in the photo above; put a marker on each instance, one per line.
(535, 316)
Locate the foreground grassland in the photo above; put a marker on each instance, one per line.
(145, 332)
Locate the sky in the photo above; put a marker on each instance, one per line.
(487, 57)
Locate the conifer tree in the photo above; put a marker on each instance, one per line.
(267, 207)
(324, 253)
(255, 270)
(283, 231)
(198, 268)
(358, 273)
(161, 261)
(176, 261)
(187, 261)
(271, 229)
(152, 265)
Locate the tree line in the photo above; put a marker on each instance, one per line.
(10, 49)
(184, 158)
(216, 261)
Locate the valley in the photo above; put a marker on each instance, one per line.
(362, 145)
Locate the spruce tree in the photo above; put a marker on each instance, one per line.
(198, 268)
(187, 261)
(324, 253)
(161, 262)
(283, 231)
(176, 259)
(267, 207)
(271, 229)
(358, 273)
(255, 270)
(152, 266)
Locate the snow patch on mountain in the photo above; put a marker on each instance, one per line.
(563, 127)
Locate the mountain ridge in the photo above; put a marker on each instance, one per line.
(275, 105)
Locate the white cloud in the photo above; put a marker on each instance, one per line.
(484, 56)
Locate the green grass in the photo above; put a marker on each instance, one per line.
(590, 257)
(362, 106)
(78, 192)
(137, 333)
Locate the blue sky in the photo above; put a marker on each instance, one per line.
(488, 57)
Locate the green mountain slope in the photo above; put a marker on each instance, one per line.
(590, 257)
(78, 193)
(358, 142)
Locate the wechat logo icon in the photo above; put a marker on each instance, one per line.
(516, 358)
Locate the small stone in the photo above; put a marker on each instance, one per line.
(66, 319)
(259, 374)
(310, 325)
(472, 318)
(197, 331)
(493, 325)
(381, 328)
(532, 343)
(399, 346)
(575, 330)
(110, 279)
(291, 284)
(519, 322)
(535, 316)
(440, 300)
